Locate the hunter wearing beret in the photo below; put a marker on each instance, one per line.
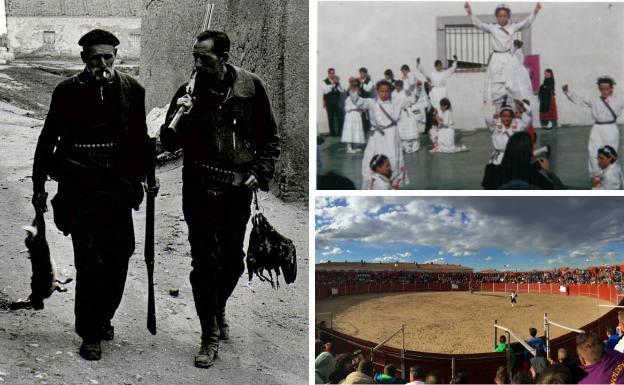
(94, 143)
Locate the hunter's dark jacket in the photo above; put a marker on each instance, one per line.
(238, 134)
(80, 124)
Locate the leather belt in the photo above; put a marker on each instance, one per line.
(94, 145)
(216, 173)
(603, 123)
(501, 51)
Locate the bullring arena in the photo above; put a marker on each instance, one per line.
(445, 327)
(453, 321)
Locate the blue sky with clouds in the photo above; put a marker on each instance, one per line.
(480, 232)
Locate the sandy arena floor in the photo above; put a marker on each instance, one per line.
(453, 322)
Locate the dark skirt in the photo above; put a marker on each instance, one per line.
(551, 113)
(492, 178)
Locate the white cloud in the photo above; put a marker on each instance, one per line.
(435, 260)
(577, 227)
(331, 251)
(489, 258)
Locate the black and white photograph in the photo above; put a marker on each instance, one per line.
(453, 95)
(154, 192)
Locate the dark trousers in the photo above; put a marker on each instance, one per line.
(335, 116)
(216, 222)
(103, 239)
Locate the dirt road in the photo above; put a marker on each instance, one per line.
(269, 328)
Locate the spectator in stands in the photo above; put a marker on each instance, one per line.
(620, 345)
(460, 378)
(363, 374)
(612, 339)
(318, 348)
(342, 370)
(323, 335)
(434, 377)
(521, 377)
(388, 376)
(555, 374)
(502, 376)
(417, 377)
(538, 364)
(572, 364)
(536, 343)
(503, 346)
(601, 367)
(323, 366)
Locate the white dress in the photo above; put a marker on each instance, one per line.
(378, 182)
(419, 111)
(604, 131)
(405, 122)
(500, 135)
(438, 82)
(353, 128)
(611, 178)
(446, 135)
(505, 75)
(384, 138)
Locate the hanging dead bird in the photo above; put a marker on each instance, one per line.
(271, 252)
(43, 281)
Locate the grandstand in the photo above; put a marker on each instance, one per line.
(358, 280)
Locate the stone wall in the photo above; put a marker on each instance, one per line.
(269, 38)
(26, 35)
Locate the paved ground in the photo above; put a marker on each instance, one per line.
(269, 328)
(465, 170)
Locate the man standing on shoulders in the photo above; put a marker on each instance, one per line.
(94, 144)
(230, 142)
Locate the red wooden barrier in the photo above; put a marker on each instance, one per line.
(480, 367)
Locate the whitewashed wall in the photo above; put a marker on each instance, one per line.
(579, 41)
(25, 34)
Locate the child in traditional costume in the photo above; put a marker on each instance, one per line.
(505, 75)
(605, 110)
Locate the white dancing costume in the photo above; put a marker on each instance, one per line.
(611, 178)
(500, 135)
(384, 137)
(378, 182)
(505, 75)
(353, 128)
(444, 135)
(438, 83)
(605, 130)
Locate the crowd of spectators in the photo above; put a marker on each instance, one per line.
(598, 360)
(594, 275)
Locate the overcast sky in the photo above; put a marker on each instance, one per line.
(480, 232)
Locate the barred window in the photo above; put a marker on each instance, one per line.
(135, 40)
(457, 36)
(49, 37)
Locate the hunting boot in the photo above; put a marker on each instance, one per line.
(108, 332)
(210, 343)
(224, 328)
(90, 349)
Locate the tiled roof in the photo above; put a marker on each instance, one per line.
(97, 8)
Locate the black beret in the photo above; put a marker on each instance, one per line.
(98, 36)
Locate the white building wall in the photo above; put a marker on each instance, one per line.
(25, 34)
(578, 41)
